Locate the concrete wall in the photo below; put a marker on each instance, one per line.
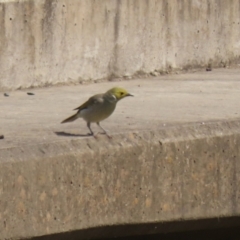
(175, 174)
(46, 42)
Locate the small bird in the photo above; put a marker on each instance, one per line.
(99, 107)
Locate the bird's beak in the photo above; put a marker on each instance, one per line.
(129, 95)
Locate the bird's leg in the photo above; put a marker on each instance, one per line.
(91, 132)
(103, 130)
(89, 127)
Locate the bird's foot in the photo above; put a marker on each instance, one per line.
(108, 135)
(95, 135)
(92, 134)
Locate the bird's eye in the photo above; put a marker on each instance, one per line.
(121, 93)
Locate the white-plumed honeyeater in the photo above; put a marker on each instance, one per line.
(99, 107)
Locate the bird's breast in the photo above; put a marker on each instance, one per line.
(97, 112)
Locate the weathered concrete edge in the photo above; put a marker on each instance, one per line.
(171, 133)
(59, 159)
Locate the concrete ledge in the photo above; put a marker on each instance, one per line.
(173, 162)
(179, 173)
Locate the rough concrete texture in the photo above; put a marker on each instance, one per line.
(174, 156)
(49, 42)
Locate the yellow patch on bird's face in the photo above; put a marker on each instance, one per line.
(119, 93)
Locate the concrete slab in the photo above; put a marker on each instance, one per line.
(158, 103)
(49, 43)
(174, 156)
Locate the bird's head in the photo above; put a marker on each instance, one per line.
(119, 93)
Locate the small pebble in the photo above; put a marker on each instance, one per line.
(6, 95)
(1, 136)
(29, 93)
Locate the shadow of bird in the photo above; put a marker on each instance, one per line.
(66, 134)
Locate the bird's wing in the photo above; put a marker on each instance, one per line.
(90, 102)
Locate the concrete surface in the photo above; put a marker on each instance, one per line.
(158, 102)
(46, 42)
(174, 156)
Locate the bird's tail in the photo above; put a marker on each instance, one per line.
(71, 119)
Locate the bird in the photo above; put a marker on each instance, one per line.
(99, 107)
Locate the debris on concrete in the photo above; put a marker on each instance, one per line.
(209, 67)
(155, 73)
